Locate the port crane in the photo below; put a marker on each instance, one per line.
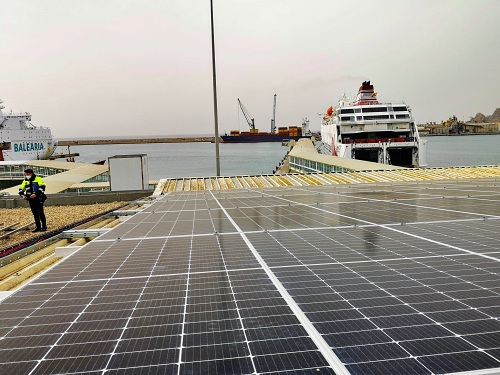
(247, 115)
(273, 120)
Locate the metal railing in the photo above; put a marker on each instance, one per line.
(10, 175)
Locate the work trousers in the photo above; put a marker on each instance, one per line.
(37, 208)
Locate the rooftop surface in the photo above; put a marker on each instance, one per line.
(389, 278)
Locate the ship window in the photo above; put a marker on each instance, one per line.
(374, 109)
(346, 118)
(376, 117)
(403, 116)
(399, 109)
(357, 110)
(346, 110)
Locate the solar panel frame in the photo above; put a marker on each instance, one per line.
(255, 282)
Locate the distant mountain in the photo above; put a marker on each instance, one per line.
(495, 116)
(479, 117)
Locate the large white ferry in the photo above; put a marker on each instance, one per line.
(369, 130)
(21, 140)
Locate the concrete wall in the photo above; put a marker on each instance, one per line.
(77, 199)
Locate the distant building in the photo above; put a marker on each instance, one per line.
(439, 129)
(487, 127)
(453, 126)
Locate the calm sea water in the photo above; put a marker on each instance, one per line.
(466, 150)
(198, 159)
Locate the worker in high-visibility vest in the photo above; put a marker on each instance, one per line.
(33, 190)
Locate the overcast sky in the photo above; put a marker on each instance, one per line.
(88, 68)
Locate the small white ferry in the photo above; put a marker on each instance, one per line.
(369, 130)
(21, 140)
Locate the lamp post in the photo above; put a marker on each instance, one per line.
(214, 84)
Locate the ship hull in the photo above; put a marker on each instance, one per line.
(17, 145)
(20, 140)
(397, 151)
(256, 139)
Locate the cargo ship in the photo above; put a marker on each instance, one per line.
(283, 134)
(253, 135)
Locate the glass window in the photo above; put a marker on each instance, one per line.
(346, 118)
(346, 110)
(374, 109)
(376, 117)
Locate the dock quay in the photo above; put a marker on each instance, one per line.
(68, 156)
(82, 142)
(304, 158)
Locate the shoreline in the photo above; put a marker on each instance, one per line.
(86, 142)
(90, 142)
(454, 135)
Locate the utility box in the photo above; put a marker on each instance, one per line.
(128, 172)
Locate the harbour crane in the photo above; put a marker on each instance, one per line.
(247, 115)
(273, 120)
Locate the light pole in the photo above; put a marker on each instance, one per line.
(214, 84)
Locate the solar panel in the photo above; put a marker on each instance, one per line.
(398, 278)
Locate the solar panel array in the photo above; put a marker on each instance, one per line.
(336, 178)
(360, 279)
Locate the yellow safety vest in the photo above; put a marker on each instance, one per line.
(31, 187)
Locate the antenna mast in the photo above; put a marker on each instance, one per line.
(273, 120)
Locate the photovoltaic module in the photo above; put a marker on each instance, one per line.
(399, 278)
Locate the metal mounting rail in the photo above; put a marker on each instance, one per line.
(28, 250)
(84, 233)
(51, 233)
(8, 227)
(125, 212)
(9, 232)
(144, 202)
